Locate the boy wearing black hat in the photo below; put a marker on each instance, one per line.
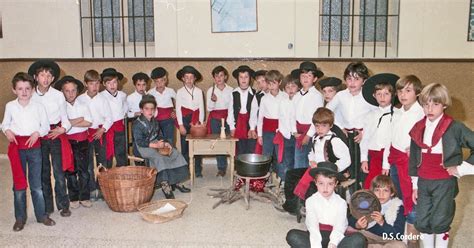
(240, 109)
(218, 100)
(189, 109)
(115, 136)
(330, 86)
(23, 124)
(55, 144)
(101, 122)
(326, 214)
(80, 118)
(351, 108)
(307, 100)
(378, 90)
(140, 81)
(165, 99)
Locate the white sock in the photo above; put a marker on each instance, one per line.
(427, 240)
(442, 240)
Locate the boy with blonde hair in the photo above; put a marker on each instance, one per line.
(435, 153)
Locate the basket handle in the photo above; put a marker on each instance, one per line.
(152, 171)
(101, 168)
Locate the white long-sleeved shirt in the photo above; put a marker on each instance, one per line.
(133, 103)
(224, 98)
(191, 99)
(164, 99)
(306, 104)
(330, 211)
(376, 135)
(269, 108)
(254, 107)
(351, 110)
(117, 103)
(402, 122)
(24, 121)
(99, 109)
(243, 103)
(341, 151)
(55, 104)
(286, 118)
(430, 127)
(78, 110)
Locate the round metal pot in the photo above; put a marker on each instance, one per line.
(252, 165)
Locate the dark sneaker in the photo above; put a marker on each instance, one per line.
(65, 212)
(48, 222)
(18, 226)
(181, 188)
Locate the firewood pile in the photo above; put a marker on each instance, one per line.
(231, 195)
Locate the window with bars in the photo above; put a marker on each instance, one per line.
(359, 28)
(117, 28)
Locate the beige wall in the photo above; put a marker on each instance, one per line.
(51, 28)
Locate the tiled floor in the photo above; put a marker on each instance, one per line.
(201, 226)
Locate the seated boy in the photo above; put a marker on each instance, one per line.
(325, 214)
(172, 169)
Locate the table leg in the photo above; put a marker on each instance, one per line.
(191, 162)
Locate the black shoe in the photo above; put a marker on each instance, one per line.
(18, 226)
(199, 175)
(47, 222)
(181, 188)
(166, 188)
(65, 212)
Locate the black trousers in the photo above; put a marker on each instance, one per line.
(53, 148)
(120, 150)
(354, 168)
(97, 150)
(300, 239)
(78, 181)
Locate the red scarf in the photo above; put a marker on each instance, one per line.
(195, 115)
(418, 130)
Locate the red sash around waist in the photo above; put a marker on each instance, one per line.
(269, 125)
(280, 141)
(301, 129)
(400, 159)
(324, 227)
(19, 178)
(215, 114)
(67, 157)
(241, 126)
(78, 136)
(432, 167)
(164, 113)
(118, 126)
(195, 114)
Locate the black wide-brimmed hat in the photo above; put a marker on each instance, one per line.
(111, 72)
(308, 66)
(158, 72)
(140, 76)
(243, 68)
(188, 69)
(45, 63)
(328, 167)
(363, 203)
(330, 81)
(368, 89)
(59, 84)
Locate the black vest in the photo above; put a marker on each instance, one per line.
(237, 104)
(259, 96)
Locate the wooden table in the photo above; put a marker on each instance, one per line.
(211, 144)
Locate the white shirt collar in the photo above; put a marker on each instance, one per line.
(433, 124)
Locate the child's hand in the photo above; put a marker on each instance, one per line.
(364, 166)
(313, 164)
(407, 151)
(214, 98)
(167, 145)
(99, 133)
(453, 171)
(32, 140)
(297, 135)
(358, 138)
(260, 141)
(232, 133)
(11, 136)
(53, 134)
(385, 172)
(361, 223)
(378, 217)
(252, 134)
(305, 140)
(182, 130)
(414, 196)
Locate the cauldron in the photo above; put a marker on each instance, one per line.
(252, 165)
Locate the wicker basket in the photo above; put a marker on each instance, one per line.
(126, 188)
(147, 209)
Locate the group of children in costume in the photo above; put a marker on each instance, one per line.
(316, 139)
